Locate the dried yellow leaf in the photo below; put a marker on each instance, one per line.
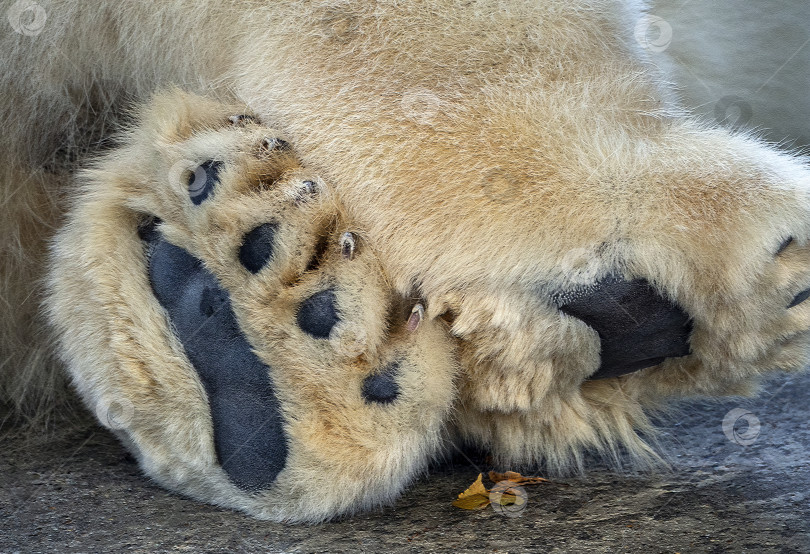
(508, 498)
(476, 497)
(515, 478)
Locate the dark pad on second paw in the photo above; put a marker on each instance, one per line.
(382, 387)
(249, 436)
(318, 314)
(257, 247)
(637, 326)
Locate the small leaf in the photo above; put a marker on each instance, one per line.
(515, 478)
(476, 497)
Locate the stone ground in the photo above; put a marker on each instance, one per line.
(78, 491)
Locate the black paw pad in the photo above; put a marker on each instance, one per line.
(257, 247)
(202, 181)
(637, 326)
(799, 298)
(318, 314)
(382, 387)
(249, 437)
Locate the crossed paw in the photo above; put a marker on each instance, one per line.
(209, 282)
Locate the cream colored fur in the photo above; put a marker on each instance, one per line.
(491, 154)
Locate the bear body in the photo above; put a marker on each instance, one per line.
(513, 167)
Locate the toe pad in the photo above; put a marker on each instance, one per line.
(318, 314)
(249, 438)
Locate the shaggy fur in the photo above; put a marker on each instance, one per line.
(490, 155)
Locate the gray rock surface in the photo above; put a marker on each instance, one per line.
(78, 491)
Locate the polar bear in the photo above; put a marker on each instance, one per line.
(518, 169)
